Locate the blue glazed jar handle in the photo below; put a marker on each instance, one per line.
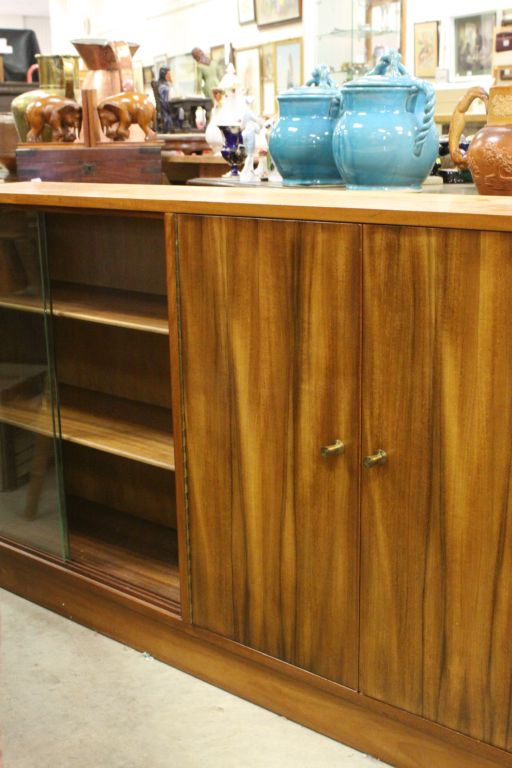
(426, 118)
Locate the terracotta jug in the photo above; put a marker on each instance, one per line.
(489, 157)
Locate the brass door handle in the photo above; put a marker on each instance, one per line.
(335, 449)
(376, 459)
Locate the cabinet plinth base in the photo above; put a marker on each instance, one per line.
(403, 740)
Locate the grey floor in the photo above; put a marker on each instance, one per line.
(70, 698)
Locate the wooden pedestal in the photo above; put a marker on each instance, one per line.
(128, 163)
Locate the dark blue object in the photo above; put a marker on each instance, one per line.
(233, 150)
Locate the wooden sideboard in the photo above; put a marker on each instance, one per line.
(284, 447)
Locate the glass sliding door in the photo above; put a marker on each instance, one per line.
(31, 498)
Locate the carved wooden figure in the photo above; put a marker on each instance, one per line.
(64, 116)
(120, 111)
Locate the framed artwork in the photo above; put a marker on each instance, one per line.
(268, 62)
(474, 44)
(288, 64)
(246, 13)
(148, 74)
(426, 48)
(272, 12)
(502, 54)
(249, 71)
(184, 74)
(268, 79)
(218, 54)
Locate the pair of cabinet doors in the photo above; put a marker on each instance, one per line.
(394, 580)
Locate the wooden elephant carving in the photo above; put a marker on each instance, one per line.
(120, 111)
(64, 117)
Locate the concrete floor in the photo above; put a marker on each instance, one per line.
(70, 698)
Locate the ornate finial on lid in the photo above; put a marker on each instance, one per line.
(321, 77)
(392, 60)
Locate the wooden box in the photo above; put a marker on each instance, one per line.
(128, 163)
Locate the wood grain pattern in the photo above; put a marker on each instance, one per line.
(120, 252)
(405, 740)
(338, 205)
(274, 526)
(124, 428)
(124, 309)
(128, 549)
(119, 162)
(436, 522)
(133, 487)
(116, 361)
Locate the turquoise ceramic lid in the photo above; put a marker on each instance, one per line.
(319, 84)
(389, 71)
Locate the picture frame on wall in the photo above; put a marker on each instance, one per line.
(184, 74)
(268, 79)
(289, 66)
(218, 54)
(248, 69)
(502, 54)
(426, 48)
(473, 44)
(271, 12)
(246, 12)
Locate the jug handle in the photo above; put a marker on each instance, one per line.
(30, 72)
(426, 120)
(459, 121)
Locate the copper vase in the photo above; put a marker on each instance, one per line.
(489, 157)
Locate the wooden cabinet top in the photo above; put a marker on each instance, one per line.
(432, 210)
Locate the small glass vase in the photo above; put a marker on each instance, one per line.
(233, 150)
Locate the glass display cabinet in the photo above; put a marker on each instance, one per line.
(353, 34)
(86, 444)
(31, 508)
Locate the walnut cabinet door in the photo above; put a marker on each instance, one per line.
(436, 569)
(269, 315)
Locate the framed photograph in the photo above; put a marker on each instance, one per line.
(218, 55)
(474, 44)
(184, 74)
(268, 62)
(426, 48)
(268, 79)
(148, 74)
(288, 64)
(249, 71)
(502, 54)
(246, 13)
(272, 12)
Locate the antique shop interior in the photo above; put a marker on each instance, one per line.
(255, 384)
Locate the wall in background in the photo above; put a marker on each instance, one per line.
(445, 11)
(170, 27)
(40, 25)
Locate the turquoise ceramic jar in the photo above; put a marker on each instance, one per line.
(385, 136)
(301, 141)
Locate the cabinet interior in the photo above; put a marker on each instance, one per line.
(111, 340)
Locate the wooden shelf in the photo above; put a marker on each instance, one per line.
(127, 309)
(126, 549)
(122, 427)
